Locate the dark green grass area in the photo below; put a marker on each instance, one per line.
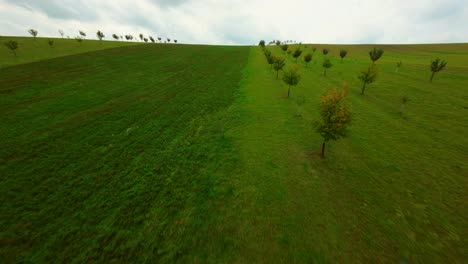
(30, 49)
(116, 154)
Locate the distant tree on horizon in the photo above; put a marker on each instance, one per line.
(145, 39)
(152, 39)
(326, 65)
(141, 37)
(375, 54)
(367, 77)
(436, 66)
(278, 43)
(335, 116)
(82, 33)
(79, 39)
(12, 46)
(284, 47)
(159, 38)
(33, 32)
(100, 35)
(61, 33)
(115, 36)
(291, 77)
(262, 43)
(168, 40)
(175, 40)
(343, 54)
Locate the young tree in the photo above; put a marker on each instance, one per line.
(278, 43)
(398, 66)
(278, 64)
(367, 77)
(325, 51)
(100, 35)
(51, 43)
(82, 33)
(152, 39)
(284, 47)
(343, 54)
(291, 77)
(115, 36)
(33, 32)
(436, 66)
(175, 40)
(79, 39)
(159, 38)
(127, 37)
(61, 33)
(307, 58)
(335, 116)
(270, 59)
(326, 65)
(262, 43)
(375, 54)
(404, 100)
(145, 39)
(141, 37)
(168, 40)
(12, 45)
(297, 53)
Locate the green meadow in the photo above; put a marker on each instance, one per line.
(170, 153)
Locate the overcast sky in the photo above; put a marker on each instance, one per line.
(245, 21)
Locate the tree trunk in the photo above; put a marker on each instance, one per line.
(432, 76)
(341, 60)
(363, 88)
(323, 150)
(289, 88)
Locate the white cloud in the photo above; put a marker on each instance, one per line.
(245, 22)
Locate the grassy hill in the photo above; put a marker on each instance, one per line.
(194, 154)
(30, 50)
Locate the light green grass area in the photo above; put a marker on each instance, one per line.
(181, 153)
(30, 50)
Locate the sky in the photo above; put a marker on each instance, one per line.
(245, 22)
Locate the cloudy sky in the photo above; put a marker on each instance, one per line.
(245, 21)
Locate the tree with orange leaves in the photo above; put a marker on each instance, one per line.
(336, 115)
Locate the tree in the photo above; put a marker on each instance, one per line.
(33, 32)
(404, 100)
(398, 66)
(270, 59)
(284, 47)
(12, 45)
(175, 40)
(314, 50)
(367, 77)
(375, 54)
(343, 54)
(278, 43)
(100, 34)
(262, 43)
(278, 64)
(79, 39)
(168, 40)
(326, 65)
(141, 37)
(436, 66)
(297, 53)
(51, 43)
(159, 38)
(82, 33)
(145, 39)
(335, 116)
(127, 37)
(61, 33)
(115, 36)
(325, 51)
(291, 77)
(152, 39)
(307, 58)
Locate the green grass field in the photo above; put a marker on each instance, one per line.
(186, 153)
